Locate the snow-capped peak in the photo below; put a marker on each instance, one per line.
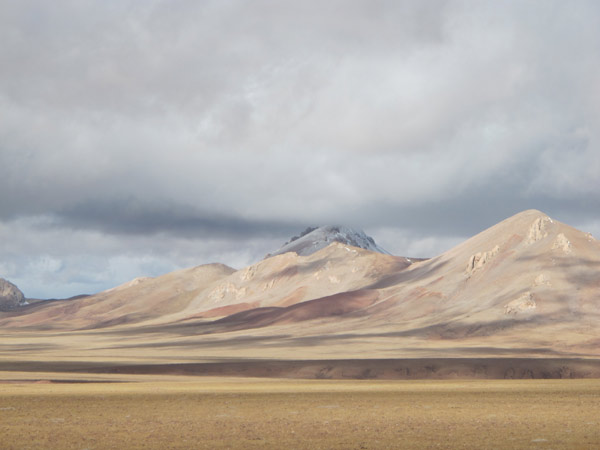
(314, 239)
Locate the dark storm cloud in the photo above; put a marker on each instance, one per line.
(132, 216)
(163, 133)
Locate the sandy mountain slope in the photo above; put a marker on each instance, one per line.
(288, 279)
(214, 291)
(527, 267)
(138, 300)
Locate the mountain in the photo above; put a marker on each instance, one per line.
(527, 287)
(312, 240)
(529, 282)
(214, 290)
(136, 301)
(11, 296)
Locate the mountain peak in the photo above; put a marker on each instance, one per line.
(313, 239)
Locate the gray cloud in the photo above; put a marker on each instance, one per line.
(132, 216)
(218, 128)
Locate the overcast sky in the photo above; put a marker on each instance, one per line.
(138, 137)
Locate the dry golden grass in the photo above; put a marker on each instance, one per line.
(243, 413)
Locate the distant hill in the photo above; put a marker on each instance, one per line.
(11, 296)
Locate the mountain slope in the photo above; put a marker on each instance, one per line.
(213, 291)
(288, 279)
(527, 281)
(133, 302)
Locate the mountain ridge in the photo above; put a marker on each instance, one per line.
(526, 286)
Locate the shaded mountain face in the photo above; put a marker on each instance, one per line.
(10, 296)
(317, 238)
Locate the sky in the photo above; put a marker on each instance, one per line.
(142, 136)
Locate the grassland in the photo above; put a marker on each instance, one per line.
(186, 412)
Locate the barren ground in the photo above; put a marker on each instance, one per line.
(185, 412)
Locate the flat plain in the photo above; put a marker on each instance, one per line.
(82, 411)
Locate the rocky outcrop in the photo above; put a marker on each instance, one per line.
(10, 296)
(541, 280)
(562, 243)
(524, 303)
(478, 260)
(225, 290)
(538, 231)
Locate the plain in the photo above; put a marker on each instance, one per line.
(66, 411)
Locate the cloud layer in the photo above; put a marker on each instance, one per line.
(142, 136)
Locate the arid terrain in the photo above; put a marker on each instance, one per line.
(140, 412)
(519, 300)
(261, 224)
(492, 344)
